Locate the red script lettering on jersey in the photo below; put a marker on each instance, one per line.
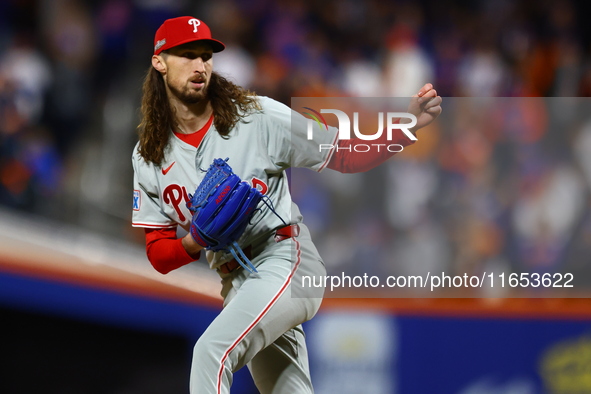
(174, 195)
(259, 185)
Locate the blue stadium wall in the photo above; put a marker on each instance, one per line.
(64, 337)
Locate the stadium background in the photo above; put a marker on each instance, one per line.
(82, 311)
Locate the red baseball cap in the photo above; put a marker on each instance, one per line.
(177, 31)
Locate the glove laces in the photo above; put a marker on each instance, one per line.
(237, 251)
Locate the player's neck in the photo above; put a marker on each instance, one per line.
(193, 117)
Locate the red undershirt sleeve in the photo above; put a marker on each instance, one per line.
(165, 251)
(346, 160)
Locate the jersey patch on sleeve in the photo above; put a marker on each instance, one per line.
(137, 200)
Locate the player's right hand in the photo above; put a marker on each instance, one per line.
(425, 105)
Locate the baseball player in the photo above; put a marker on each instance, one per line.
(191, 116)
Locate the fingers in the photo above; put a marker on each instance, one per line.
(427, 87)
(428, 101)
(433, 106)
(435, 101)
(431, 103)
(429, 94)
(435, 111)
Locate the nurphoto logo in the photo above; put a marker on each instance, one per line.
(391, 119)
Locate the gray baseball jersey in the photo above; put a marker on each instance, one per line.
(260, 324)
(259, 150)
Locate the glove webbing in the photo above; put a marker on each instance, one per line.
(212, 182)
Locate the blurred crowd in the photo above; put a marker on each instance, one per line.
(483, 192)
(497, 185)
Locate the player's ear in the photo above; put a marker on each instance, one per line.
(158, 64)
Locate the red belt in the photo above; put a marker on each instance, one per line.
(281, 234)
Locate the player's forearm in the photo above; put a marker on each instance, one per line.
(191, 247)
(347, 160)
(166, 253)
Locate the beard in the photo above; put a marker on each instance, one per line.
(189, 96)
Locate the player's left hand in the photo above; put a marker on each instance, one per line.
(425, 105)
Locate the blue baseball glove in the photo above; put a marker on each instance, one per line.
(222, 207)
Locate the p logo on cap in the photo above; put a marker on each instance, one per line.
(177, 31)
(195, 23)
